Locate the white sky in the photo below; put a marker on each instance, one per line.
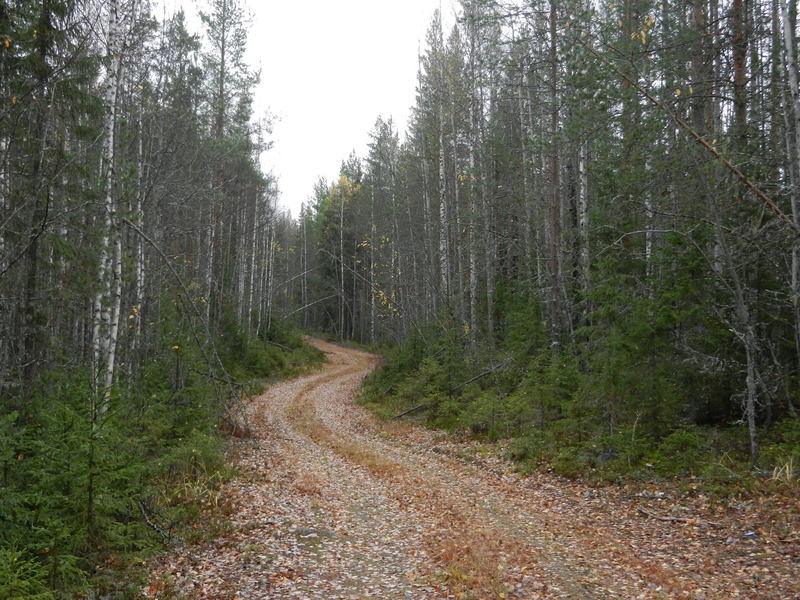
(328, 70)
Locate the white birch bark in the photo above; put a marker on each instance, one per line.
(106, 305)
(112, 335)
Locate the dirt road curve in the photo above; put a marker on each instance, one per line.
(332, 505)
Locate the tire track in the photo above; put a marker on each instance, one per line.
(481, 550)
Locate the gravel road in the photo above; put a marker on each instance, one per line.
(333, 505)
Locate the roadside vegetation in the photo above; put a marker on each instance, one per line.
(84, 503)
(606, 408)
(138, 284)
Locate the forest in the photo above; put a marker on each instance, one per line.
(584, 244)
(586, 240)
(138, 241)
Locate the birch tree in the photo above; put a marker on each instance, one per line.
(120, 19)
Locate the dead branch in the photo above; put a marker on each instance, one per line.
(677, 519)
(409, 411)
(502, 365)
(281, 346)
(154, 526)
(710, 148)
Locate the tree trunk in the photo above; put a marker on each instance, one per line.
(473, 184)
(341, 266)
(583, 215)
(488, 256)
(792, 114)
(457, 238)
(444, 250)
(108, 297)
(524, 135)
(138, 219)
(555, 196)
(372, 298)
(4, 189)
(270, 271)
(739, 56)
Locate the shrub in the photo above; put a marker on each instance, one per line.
(76, 482)
(22, 578)
(682, 450)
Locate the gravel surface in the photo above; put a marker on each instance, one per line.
(334, 505)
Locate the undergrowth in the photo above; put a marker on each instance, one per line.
(616, 404)
(85, 496)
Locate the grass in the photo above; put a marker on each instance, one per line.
(786, 473)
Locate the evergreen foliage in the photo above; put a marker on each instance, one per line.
(585, 241)
(74, 495)
(139, 287)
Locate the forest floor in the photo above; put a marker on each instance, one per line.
(331, 504)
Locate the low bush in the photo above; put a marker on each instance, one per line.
(22, 578)
(83, 487)
(615, 404)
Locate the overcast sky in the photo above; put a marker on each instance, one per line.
(328, 69)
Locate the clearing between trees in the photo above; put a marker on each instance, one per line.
(332, 504)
